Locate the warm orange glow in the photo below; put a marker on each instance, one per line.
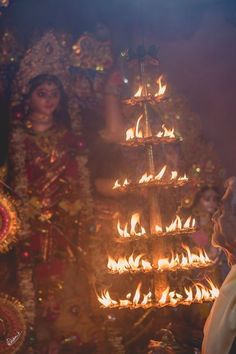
(201, 292)
(118, 185)
(126, 182)
(185, 260)
(184, 178)
(176, 226)
(105, 299)
(135, 132)
(128, 264)
(162, 88)
(174, 175)
(137, 294)
(164, 295)
(166, 133)
(197, 293)
(146, 178)
(135, 229)
(130, 134)
(160, 179)
(160, 175)
(139, 92)
(138, 133)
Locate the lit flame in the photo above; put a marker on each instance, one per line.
(130, 134)
(133, 133)
(124, 264)
(164, 295)
(137, 301)
(138, 133)
(136, 229)
(126, 182)
(118, 185)
(160, 178)
(185, 260)
(137, 294)
(166, 133)
(106, 300)
(162, 88)
(196, 293)
(146, 178)
(184, 178)
(160, 175)
(177, 225)
(174, 175)
(147, 298)
(201, 292)
(139, 92)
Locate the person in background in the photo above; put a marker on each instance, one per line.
(206, 202)
(220, 327)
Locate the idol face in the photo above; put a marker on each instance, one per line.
(209, 201)
(44, 101)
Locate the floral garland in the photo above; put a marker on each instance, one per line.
(74, 111)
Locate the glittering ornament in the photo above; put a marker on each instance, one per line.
(46, 56)
(9, 222)
(12, 325)
(90, 52)
(10, 48)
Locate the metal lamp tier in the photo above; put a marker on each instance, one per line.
(160, 294)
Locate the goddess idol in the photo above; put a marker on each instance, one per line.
(47, 171)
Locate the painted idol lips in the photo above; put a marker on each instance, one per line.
(49, 107)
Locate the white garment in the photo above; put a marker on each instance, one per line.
(220, 327)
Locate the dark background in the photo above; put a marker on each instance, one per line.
(197, 40)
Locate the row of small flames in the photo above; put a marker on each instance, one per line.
(185, 260)
(196, 293)
(160, 178)
(135, 229)
(137, 133)
(161, 89)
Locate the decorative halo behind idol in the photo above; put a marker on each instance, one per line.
(9, 222)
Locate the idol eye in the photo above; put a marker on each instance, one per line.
(41, 94)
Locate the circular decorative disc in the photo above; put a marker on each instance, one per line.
(9, 222)
(12, 325)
